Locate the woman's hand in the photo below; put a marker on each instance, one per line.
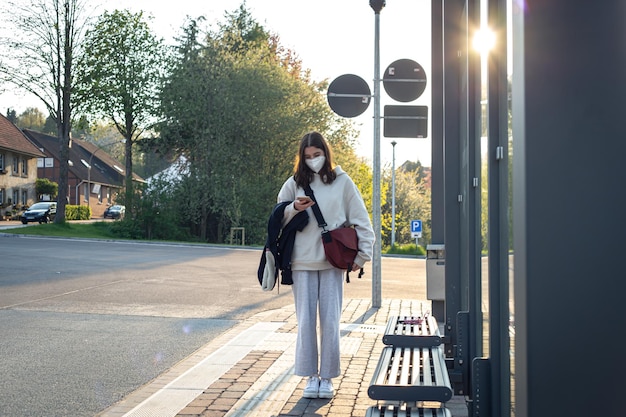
(303, 203)
(355, 267)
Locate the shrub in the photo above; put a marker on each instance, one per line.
(407, 249)
(77, 212)
(127, 229)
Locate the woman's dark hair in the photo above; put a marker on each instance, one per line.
(302, 173)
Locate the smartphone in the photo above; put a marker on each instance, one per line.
(304, 199)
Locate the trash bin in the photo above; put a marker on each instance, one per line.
(436, 272)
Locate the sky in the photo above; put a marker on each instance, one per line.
(331, 37)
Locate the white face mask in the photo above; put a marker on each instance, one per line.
(316, 163)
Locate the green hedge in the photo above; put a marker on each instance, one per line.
(407, 249)
(77, 212)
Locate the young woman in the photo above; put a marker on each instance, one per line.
(317, 285)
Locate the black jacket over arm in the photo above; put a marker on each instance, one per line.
(280, 241)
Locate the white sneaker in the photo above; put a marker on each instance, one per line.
(326, 389)
(312, 387)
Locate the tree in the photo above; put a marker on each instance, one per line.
(106, 135)
(12, 116)
(235, 105)
(119, 76)
(416, 168)
(45, 186)
(31, 118)
(39, 50)
(412, 203)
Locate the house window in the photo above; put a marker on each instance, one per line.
(24, 167)
(97, 189)
(16, 196)
(24, 197)
(1, 195)
(16, 164)
(1, 162)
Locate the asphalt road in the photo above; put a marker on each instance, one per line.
(83, 323)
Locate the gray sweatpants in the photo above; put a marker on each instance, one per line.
(313, 290)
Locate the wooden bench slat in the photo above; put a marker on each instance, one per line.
(392, 377)
(380, 374)
(416, 364)
(428, 373)
(404, 378)
(441, 372)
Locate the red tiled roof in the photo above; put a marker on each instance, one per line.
(104, 164)
(12, 139)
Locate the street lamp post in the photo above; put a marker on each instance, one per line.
(377, 6)
(393, 194)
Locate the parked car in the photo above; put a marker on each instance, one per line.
(115, 212)
(42, 212)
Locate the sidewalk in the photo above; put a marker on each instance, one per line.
(11, 224)
(248, 371)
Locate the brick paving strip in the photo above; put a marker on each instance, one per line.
(223, 394)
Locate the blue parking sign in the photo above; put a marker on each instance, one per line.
(416, 226)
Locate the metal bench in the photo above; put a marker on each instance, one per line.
(411, 374)
(396, 411)
(412, 331)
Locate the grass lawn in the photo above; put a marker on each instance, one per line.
(97, 230)
(102, 230)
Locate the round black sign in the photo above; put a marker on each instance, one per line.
(349, 95)
(404, 80)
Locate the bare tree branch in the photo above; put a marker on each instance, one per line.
(38, 42)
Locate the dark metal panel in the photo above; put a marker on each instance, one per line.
(569, 207)
(469, 197)
(498, 235)
(474, 264)
(453, 37)
(483, 388)
(463, 359)
(437, 215)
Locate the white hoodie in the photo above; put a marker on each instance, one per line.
(341, 205)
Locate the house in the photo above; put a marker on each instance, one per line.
(173, 173)
(94, 177)
(18, 169)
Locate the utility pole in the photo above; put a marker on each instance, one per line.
(377, 6)
(393, 193)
